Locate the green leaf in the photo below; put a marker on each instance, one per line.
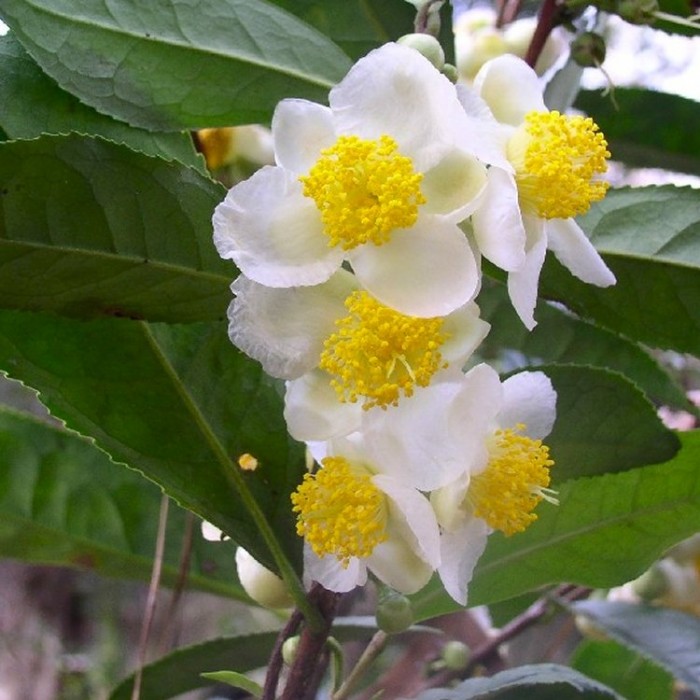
(175, 66)
(39, 107)
(178, 403)
(624, 670)
(562, 338)
(668, 637)
(90, 228)
(535, 682)
(237, 680)
(642, 127)
(357, 26)
(603, 425)
(181, 671)
(605, 531)
(679, 8)
(649, 236)
(63, 502)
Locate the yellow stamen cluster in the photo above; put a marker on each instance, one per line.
(379, 354)
(513, 483)
(556, 159)
(341, 512)
(364, 190)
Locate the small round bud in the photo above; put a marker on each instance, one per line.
(638, 11)
(426, 45)
(652, 584)
(290, 647)
(260, 583)
(588, 50)
(456, 655)
(394, 613)
(450, 72)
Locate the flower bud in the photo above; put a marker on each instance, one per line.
(652, 584)
(450, 72)
(290, 647)
(426, 45)
(456, 655)
(394, 613)
(260, 583)
(638, 11)
(588, 50)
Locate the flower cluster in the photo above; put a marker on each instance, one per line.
(360, 258)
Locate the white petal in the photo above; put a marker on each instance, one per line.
(284, 329)
(523, 283)
(398, 566)
(498, 224)
(448, 502)
(466, 331)
(273, 233)
(510, 88)
(570, 244)
(329, 572)
(313, 412)
(460, 551)
(396, 91)
(301, 129)
(529, 398)
(454, 187)
(427, 270)
(412, 442)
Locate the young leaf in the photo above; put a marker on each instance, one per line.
(641, 127)
(668, 637)
(178, 403)
(175, 66)
(90, 228)
(237, 680)
(63, 502)
(592, 537)
(562, 338)
(536, 682)
(649, 237)
(39, 107)
(624, 670)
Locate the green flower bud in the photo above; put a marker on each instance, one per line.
(456, 655)
(588, 50)
(426, 45)
(652, 584)
(394, 613)
(450, 72)
(638, 11)
(290, 647)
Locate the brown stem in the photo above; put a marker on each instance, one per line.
(545, 24)
(275, 666)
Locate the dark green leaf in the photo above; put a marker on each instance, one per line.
(90, 228)
(668, 637)
(563, 338)
(679, 8)
(63, 502)
(534, 682)
(642, 128)
(624, 670)
(603, 425)
(606, 531)
(175, 66)
(650, 237)
(179, 403)
(39, 107)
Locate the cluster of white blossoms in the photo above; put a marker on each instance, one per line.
(360, 259)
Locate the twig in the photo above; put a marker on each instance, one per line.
(545, 24)
(275, 666)
(374, 648)
(152, 594)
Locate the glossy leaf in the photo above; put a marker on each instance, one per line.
(670, 638)
(624, 670)
(91, 228)
(178, 403)
(39, 107)
(649, 236)
(641, 127)
(64, 502)
(237, 680)
(536, 682)
(592, 537)
(175, 66)
(562, 338)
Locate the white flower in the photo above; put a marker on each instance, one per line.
(555, 161)
(343, 351)
(263, 586)
(355, 519)
(495, 429)
(380, 179)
